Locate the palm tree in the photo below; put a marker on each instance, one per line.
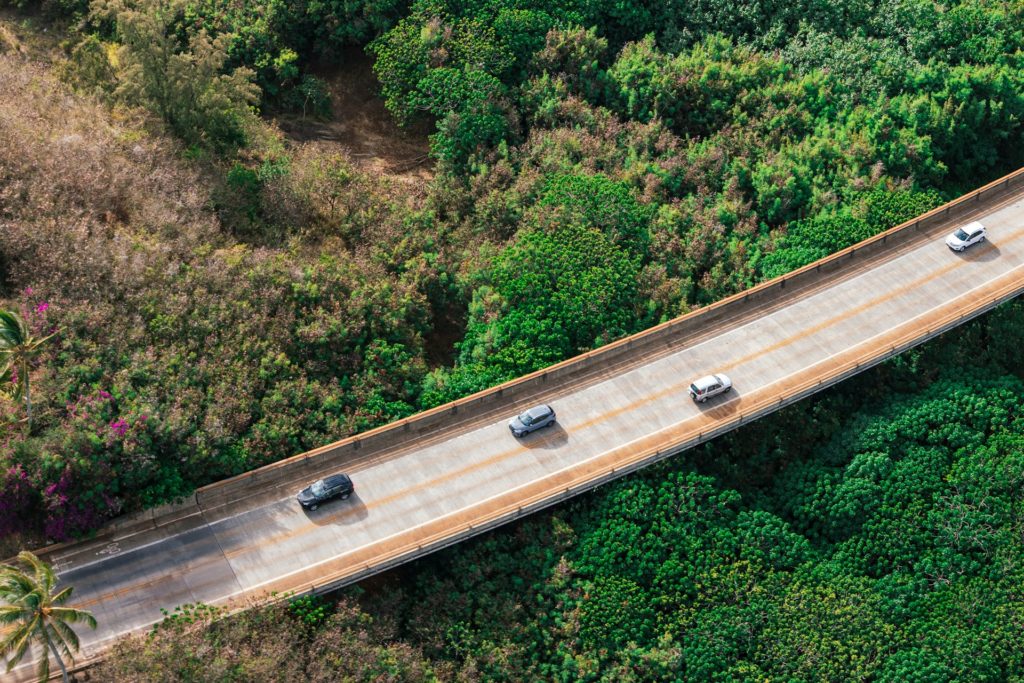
(32, 613)
(17, 349)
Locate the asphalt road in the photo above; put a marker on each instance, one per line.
(461, 480)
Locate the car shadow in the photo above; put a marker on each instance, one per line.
(549, 438)
(986, 251)
(722, 406)
(338, 511)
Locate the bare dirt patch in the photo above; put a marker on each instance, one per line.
(362, 126)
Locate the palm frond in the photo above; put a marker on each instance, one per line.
(43, 670)
(14, 636)
(30, 594)
(6, 372)
(35, 344)
(71, 615)
(14, 584)
(43, 573)
(19, 646)
(13, 330)
(62, 637)
(62, 596)
(10, 614)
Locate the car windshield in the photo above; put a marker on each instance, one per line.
(526, 419)
(318, 488)
(961, 234)
(694, 388)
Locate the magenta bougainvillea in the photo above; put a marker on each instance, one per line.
(81, 479)
(16, 495)
(67, 512)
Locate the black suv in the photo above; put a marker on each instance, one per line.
(334, 486)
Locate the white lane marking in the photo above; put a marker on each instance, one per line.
(576, 464)
(847, 284)
(113, 547)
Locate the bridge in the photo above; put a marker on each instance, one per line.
(447, 474)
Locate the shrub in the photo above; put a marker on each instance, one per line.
(183, 84)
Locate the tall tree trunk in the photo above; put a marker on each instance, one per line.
(60, 662)
(28, 401)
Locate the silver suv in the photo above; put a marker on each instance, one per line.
(711, 385)
(533, 419)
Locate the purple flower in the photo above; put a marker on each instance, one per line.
(66, 515)
(41, 308)
(28, 291)
(119, 427)
(15, 499)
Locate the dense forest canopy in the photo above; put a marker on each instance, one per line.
(634, 160)
(871, 534)
(226, 287)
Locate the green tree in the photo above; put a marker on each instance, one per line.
(18, 347)
(815, 238)
(186, 85)
(34, 613)
(559, 289)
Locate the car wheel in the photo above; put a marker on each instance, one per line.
(703, 399)
(550, 424)
(313, 507)
(728, 389)
(981, 239)
(345, 497)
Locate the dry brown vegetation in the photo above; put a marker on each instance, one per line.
(267, 644)
(76, 177)
(286, 307)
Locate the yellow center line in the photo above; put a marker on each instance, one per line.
(306, 528)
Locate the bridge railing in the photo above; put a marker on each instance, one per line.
(504, 399)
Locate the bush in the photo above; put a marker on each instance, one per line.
(309, 96)
(183, 84)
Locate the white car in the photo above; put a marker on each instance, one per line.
(704, 388)
(972, 233)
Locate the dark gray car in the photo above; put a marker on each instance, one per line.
(335, 486)
(533, 419)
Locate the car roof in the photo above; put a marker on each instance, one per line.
(336, 479)
(974, 226)
(539, 411)
(705, 382)
(708, 380)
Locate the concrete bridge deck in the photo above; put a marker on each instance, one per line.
(450, 473)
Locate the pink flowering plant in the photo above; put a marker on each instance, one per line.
(83, 473)
(17, 496)
(35, 309)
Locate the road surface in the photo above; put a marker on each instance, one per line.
(457, 482)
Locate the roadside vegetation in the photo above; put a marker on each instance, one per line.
(871, 533)
(33, 615)
(627, 164)
(212, 282)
